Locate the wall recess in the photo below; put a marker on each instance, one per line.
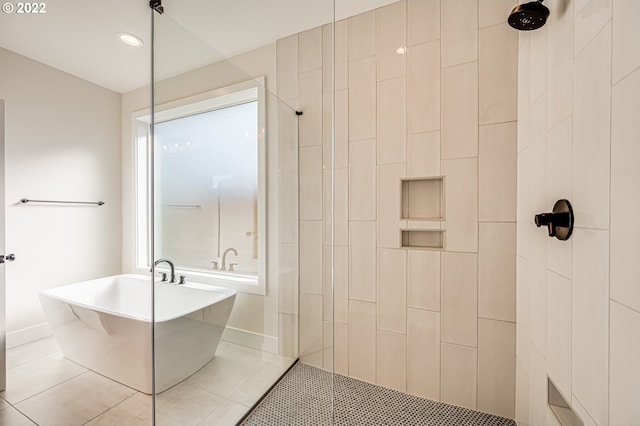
(427, 239)
(422, 198)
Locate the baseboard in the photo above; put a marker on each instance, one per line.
(28, 335)
(250, 339)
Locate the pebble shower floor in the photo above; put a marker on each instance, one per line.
(303, 397)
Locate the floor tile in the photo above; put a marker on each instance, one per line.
(32, 351)
(256, 385)
(75, 401)
(133, 411)
(185, 404)
(228, 413)
(12, 417)
(33, 377)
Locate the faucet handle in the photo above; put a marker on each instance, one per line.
(163, 275)
(215, 265)
(231, 265)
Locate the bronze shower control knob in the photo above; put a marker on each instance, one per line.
(559, 222)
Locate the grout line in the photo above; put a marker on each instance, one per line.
(111, 408)
(610, 22)
(477, 286)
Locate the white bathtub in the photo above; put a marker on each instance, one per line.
(105, 325)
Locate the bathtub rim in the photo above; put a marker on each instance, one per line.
(224, 292)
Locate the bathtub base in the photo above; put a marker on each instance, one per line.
(120, 348)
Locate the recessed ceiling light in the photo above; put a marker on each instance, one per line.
(130, 39)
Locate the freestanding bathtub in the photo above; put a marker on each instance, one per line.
(105, 325)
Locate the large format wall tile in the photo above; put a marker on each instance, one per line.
(362, 99)
(423, 79)
(498, 74)
(459, 31)
(625, 369)
(288, 138)
(538, 81)
(310, 50)
(391, 25)
(497, 367)
(362, 260)
(423, 353)
(460, 298)
(590, 16)
(494, 12)
(423, 154)
(340, 136)
(497, 271)
(288, 207)
(310, 122)
(423, 21)
(625, 197)
(626, 33)
(287, 67)
(392, 290)
(560, 54)
(497, 168)
(559, 332)
(461, 201)
(341, 52)
(460, 111)
(458, 376)
(336, 304)
(288, 278)
(559, 152)
(341, 354)
(362, 36)
(423, 279)
(590, 318)
(362, 180)
(362, 340)
(391, 357)
(392, 121)
(311, 329)
(338, 217)
(310, 183)
(388, 209)
(591, 132)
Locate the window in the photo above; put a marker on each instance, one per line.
(209, 179)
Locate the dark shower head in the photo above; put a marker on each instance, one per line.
(529, 16)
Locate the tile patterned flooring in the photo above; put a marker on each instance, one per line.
(303, 397)
(44, 388)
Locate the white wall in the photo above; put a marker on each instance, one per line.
(61, 143)
(578, 301)
(254, 313)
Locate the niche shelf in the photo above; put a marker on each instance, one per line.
(422, 198)
(427, 239)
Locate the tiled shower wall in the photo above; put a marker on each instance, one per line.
(579, 300)
(423, 88)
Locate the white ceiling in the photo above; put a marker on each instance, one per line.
(80, 36)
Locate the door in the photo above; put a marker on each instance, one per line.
(3, 334)
(3, 259)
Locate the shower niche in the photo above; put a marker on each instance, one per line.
(422, 205)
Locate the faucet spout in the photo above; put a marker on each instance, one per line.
(171, 267)
(224, 258)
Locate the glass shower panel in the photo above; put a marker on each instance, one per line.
(233, 226)
(78, 325)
